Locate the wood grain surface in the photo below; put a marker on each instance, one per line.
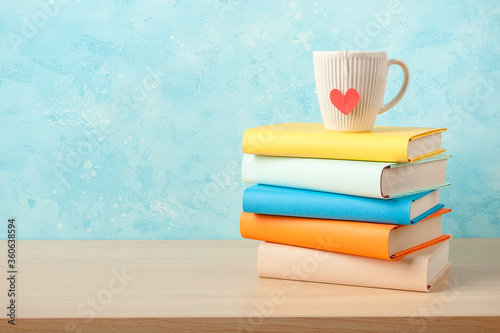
(213, 286)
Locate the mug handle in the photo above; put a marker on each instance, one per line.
(404, 87)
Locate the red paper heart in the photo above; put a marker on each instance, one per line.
(344, 103)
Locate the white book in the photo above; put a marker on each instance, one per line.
(382, 180)
(418, 271)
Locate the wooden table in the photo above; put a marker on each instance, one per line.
(212, 286)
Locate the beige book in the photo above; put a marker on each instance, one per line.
(418, 271)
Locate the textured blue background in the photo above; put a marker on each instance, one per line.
(123, 119)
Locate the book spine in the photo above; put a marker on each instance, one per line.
(273, 200)
(358, 238)
(356, 178)
(295, 263)
(277, 140)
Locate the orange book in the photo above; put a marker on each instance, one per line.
(375, 240)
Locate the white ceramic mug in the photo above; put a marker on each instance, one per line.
(341, 74)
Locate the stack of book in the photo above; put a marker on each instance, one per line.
(346, 208)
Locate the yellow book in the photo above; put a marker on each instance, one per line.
(383, 143)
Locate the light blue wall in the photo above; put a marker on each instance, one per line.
(123, 119)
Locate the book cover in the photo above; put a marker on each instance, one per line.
(383, 143)
(274, 200)
(376, 240)
(359, 178)
(418, 271)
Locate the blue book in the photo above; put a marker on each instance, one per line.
(274, 200)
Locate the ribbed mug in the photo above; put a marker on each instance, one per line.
(344, 77)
